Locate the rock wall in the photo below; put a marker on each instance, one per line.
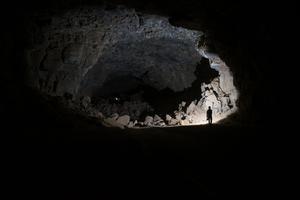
(70, 45)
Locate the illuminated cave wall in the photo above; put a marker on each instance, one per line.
(76, 53)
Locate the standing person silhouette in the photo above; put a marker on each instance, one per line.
(209, 115)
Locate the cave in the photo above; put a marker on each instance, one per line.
(109, 98)
(127, 68)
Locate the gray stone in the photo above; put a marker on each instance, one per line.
(124, 120)
(115, 116)
(184, 122)
(85, 101)
(110, 122)
(191, 108)
(157, 118)
(74, 42)
(148, 121)
(183, 103)
(131, 124)
(173, 122)
(168, 118)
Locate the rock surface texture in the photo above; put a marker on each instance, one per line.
(96, 53)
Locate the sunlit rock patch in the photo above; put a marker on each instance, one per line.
(97, 59)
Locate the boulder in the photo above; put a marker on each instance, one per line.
(168, 118)
(114, 116)
(184, 122)
(124, 120)
(148, 121)
(157, 119)
(131, 124)
(173, 122)
(110, 122)
(179, 115)
(95, 113)
(85, 101)
(183, 103)
(191, 108)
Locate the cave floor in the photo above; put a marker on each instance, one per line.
(70, 157)
(184, 162)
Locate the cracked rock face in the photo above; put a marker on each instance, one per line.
(146, 61)
(98, 53)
